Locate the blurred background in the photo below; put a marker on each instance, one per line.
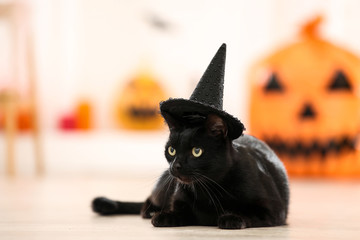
(70, 69)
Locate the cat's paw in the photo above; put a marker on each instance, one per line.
(104, 206)
(231, 221)
(167, 219)
(147, 214)
(148, 210)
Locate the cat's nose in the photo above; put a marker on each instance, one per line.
(177, 166)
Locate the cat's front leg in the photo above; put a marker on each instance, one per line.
(149, 209)
(231, 221)
(168, 219)
(180, 215)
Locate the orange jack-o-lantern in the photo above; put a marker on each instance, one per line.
(138, 105)
(305, 103)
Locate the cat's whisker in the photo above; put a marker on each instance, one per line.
(169, 181)
(155, 178)
(212, 186)
(215, 196)
(206, 188)
(193, 186)
(211, 181)
(205, 179)
(193, 189)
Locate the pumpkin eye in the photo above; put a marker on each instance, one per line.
(273, 84)
(340, 82)
(171, 151)
(197, 152)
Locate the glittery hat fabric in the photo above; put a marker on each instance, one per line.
(207, 98)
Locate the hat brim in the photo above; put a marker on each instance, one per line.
(183, 107)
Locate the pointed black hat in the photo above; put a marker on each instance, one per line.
(207, 97)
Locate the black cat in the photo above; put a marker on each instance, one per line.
(217, 176)
(212, 180)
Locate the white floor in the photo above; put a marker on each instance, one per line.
(59, 208)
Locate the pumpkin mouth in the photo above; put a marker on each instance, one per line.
(298, 148)
(136, 112)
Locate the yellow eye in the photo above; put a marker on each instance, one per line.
(171, 151)
(197, 152)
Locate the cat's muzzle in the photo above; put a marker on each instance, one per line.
(177, 171)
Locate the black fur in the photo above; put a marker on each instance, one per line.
(233, 184)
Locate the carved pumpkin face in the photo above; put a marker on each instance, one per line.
(138, 104)
(305, 104)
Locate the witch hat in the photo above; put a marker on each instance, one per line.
(207, 97)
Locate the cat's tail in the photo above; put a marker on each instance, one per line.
(105, 206)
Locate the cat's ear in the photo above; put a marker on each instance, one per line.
(215, 126)
(171, 121)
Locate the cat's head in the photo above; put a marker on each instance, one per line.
(197, 147)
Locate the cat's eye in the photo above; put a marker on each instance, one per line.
(171, 151)
(197, 152)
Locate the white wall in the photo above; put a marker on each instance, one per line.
(88, 48)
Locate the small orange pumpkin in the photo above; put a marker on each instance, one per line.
(83, 114)
(305, 103)
(137, 107)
